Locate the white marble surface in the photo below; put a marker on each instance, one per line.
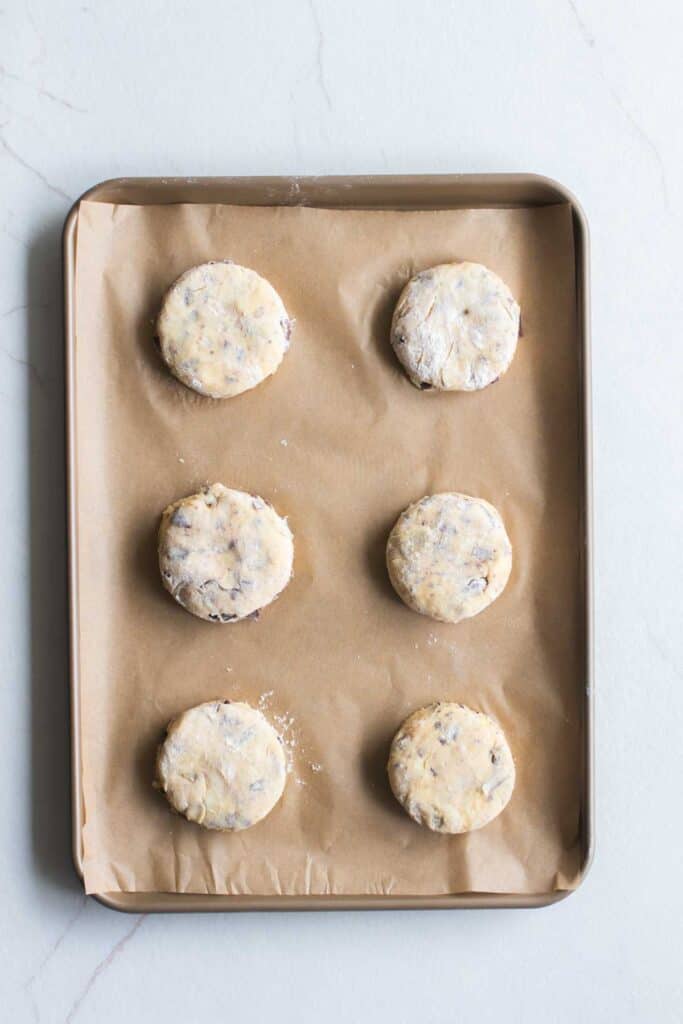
(589, 93)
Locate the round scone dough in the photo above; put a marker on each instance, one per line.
(448, 556)
(451, 768)
(455, 327)
(222, 765)
(224, 554)
(222, 329)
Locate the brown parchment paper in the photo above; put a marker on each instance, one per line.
(340, 442)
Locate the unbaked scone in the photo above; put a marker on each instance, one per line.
(224, 554)
(222, 329)
(451, 768)
(222, 765)
(448, 556)
(455, 327)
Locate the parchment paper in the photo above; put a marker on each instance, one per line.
(340, 442)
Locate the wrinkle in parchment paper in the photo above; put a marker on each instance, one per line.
(340, 442)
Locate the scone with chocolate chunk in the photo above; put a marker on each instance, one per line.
(451, 768)
(222, 329)
(455, 327)
(224, 554)
(222, 765)
(448, 556)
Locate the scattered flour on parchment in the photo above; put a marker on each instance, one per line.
(286, 726)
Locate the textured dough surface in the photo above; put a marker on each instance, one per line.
(222, 329)
(224, 554)
(448, 556)
(451, 768)
(222, 765)
(455, 327)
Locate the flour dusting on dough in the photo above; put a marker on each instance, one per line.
(222, 329)
(222, 765)
(451, 768)
(449, 556)
(224, 554)
(455, 327)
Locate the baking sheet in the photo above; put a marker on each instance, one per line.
(342, 656)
